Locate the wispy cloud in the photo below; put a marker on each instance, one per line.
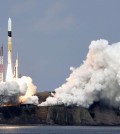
(55, 19)
(22, 6)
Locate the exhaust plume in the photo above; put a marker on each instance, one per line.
(17, 91)
(9, 74)
(97, 79)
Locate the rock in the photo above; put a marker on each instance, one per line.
(56, 115)
(42, 96)
(42, 113)
(104, 115)
(62, 115)
(97, 114)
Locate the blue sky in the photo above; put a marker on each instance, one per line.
(53, 35)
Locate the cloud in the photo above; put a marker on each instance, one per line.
(56, 19)
(97, 79)
(22, 6)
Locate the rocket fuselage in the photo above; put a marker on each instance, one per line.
(9, 41)
(10, 75)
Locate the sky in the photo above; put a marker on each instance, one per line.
(50, 36)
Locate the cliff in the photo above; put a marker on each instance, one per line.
(97, 114)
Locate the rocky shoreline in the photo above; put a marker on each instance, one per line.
(59, 115)
(27, 114)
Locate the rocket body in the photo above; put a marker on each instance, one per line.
(9, 75)
(9, 41)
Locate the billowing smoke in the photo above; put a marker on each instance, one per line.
(20, 90)
(97, 79)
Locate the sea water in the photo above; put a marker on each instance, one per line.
(58, 130)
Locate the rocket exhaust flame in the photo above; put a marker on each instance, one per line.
(9, 75)
(18, 91)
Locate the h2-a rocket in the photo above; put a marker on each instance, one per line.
(10, 75)
(9, 41)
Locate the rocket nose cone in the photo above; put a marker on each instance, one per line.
(9, 24)
(9, 19)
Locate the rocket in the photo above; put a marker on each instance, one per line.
(9, 74)
(9, 41)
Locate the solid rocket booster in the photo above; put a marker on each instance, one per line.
(16, 68)
(9, 41)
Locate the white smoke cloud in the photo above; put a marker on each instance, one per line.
(20, 90)
(97, 79)
(28, 97)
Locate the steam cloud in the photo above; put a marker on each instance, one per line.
(97, 79)
(21, 90)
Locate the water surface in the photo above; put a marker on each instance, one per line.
(58, 130)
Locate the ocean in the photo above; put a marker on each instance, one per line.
(58, 130)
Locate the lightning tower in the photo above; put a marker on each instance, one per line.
(1, 64)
